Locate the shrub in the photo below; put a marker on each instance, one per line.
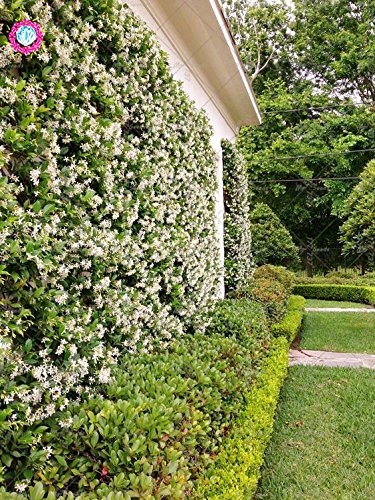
(159, 423)
(241, 319)
(237, 236)
(272, 295)
(272, 243)
(351, 293)
(367, 279)
(291, 324)
(107, 202)
(235, 473)
(277, 273)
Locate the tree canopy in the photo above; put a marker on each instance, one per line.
(314, 85)
(358, 230)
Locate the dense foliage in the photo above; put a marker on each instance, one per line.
(339, 278)
(235, 473)
(271, 241)
(237, 236)
(359, 228)
(107, 203)
(291, 324)
(349, 293)
(270, 287)
(315, 89)
(159, 423)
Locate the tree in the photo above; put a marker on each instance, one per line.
(261, 31)
(358, 231)
(272, 242)
(335, 42)
(313, 127)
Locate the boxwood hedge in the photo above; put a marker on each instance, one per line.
(351, 293)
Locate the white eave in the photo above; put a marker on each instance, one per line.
(197, 32)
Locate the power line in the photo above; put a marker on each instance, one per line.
(307, 180)
(313, 108)
(336, 153)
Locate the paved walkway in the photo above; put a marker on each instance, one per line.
(340, 309)
(337, 359)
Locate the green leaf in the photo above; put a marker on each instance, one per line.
(46, 71)
(20, 85)
(28, 345)
(37, 492)
(37, 206)
(61, 460)
(94, 439)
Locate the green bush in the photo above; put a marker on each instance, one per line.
(291, 324)
(296, 303)
(241, 319)
(236, 471)
(271, 286)
(277, 273)
(237, 236)
(351, 293)
(339, 278)
(272, 295)
(272, 243)
(155, 427)
(107, 201)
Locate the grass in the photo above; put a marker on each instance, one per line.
(339, 332)
(323, 446)
(332, 303)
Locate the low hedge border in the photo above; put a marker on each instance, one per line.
(236, 472)
(351, 293)
(291, 324)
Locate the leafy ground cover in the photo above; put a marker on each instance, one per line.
(334, 303)
(339, 332)
(323, 444)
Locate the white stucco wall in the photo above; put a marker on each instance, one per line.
(201, 95)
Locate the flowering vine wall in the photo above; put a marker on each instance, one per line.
(107, 202)
(237, 234)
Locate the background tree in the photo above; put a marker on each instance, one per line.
(317, 133)
(358, 231)
(271, 241)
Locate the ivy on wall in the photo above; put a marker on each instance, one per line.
(108, 241)
(237, 235)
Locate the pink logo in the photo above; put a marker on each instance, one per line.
(26, 36)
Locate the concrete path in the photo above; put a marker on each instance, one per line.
(339, 309)
(337, 359)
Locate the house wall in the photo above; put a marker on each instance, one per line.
(222, 126)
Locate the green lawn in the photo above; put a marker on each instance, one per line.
(332, 303)
(339, 332)
(323, 446)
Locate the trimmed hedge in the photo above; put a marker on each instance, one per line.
(236, 472)
(291, 324)
(338, 278)
(351, 293)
